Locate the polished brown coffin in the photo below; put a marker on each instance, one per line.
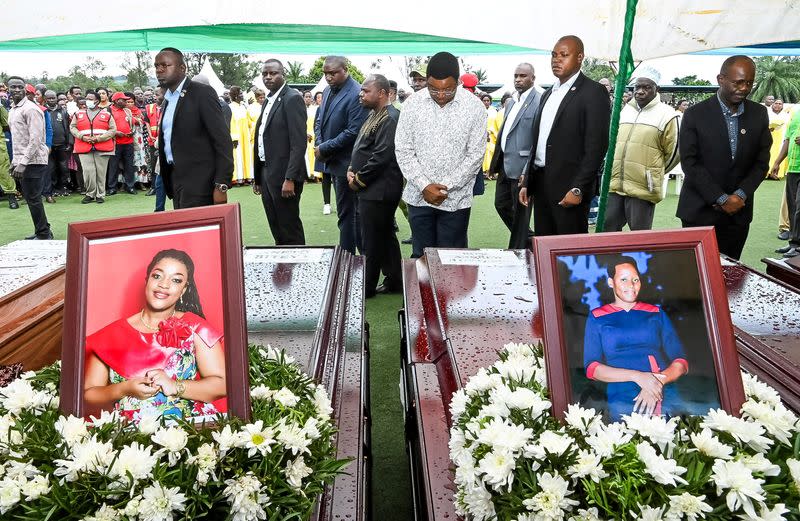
(787, 271)
(456, 317)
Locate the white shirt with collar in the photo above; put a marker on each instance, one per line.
(270, 101)
(549, 110)
(519, 102)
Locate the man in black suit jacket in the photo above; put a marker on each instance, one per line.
(570, 138)
(279, 156)
(375, 176)
(336, 126)
(194, 144)
(724, 144)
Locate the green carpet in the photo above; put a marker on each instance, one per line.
(391, 496)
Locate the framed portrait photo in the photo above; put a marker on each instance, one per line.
(637, 322)
(154, 317)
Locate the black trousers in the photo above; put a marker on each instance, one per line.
(793, 205)
(283, 214)
(57, 168)
(32, 182)
(622, 209)
(434, 228)
(185, 198)
(123, 155)
(551, 219)
(380, 244)
(347, 211)
(515, 216)
(731, 235)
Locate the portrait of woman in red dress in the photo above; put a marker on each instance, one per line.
(165, 359)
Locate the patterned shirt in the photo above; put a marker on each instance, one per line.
(26, 121)
(442, 145)
(732, 125)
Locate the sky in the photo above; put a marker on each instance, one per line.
(500, 68)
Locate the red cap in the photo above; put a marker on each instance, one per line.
(469, 80)
(30, 88)
(119, 95)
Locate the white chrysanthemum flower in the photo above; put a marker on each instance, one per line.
(525, 399)
(106, 417)
(8, 434)
(768, 514)
(311, 429)
(551, 442)
(794, 471)
(10, 494)
(226, 439)
(742, 488)
(688, 506)
(516, 349)
(247, 497)
(480, 382)
(743, 431)
(159, 502)
(655, 428)
(478, 502)
(755, 388)
(89, 455)
(517, 369)
(36, 487)
(459, 452)
(261, 392)
(647, 513)
(256, 438)
(584, 514)
(466, 473)
(587, 465)
(285, 397)
(585, 421)
(104, 513)
(458, 404)
(498, 467)
(551, 503)
(322, 403)
(664, 471)
(270, 353)
(758, 463)
(20, 396)
(206, 461)
(20, 470)
(149, 423)
(292, 437)
(708, 444)
(500, 434)
(777, 419)
(134, 462)
(607, 438)
(174, 440)
(295, 471)
(132, 507)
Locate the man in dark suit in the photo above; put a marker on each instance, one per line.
(279, 156)
(724, 145)
(375, 176)
(514, 143)
(336, 126)
(194, 143)
(570, 138)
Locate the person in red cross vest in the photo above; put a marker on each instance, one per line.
(123, 153)
(94, 130)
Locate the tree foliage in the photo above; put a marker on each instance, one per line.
(89, 75)
(777, 76)
(315, 73)
(597, 69)
(294, 72)
(232, 69)
(139, 68)
(691, 80)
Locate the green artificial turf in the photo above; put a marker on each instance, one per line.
(391, 496)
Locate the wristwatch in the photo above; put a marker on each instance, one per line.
(221, 187)
(576, 192)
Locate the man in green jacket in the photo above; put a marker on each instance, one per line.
(646, 150)
(791, 149)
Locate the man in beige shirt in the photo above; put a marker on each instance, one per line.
(29, 163)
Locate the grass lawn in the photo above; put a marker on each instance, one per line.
(391, 496)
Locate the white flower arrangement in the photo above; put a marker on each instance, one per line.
(513, 460)
(107, 468)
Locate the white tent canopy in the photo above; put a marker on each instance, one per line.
(213, 79)
(661, 28)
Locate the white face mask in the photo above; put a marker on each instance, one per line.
(90, 104)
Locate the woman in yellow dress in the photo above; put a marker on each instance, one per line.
(311, 111)
(240, 134)
(254, 112)
(778, 119)
(493, 124)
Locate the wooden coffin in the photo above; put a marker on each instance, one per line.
(456, 316)
(785, 270)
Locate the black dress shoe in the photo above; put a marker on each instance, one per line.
(152, 191)
(12, 202)
(784, 235)
(407, 241)
(383, 289)
(49, 237)
(30, 237)
(785, 249)
(793, 252)
(50, 199)
(99, 200)
(130, 191)
(87, 200)
(111, 192)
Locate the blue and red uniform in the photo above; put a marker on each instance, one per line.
(642, 339)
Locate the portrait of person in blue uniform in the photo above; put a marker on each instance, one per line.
(636, 335)
(633, 347)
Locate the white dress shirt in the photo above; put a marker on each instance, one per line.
(271, 99)
(519, 102)
(559, 92)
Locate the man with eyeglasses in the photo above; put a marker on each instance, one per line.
(724, 147)
(440, 142)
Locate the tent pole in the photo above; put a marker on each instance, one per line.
(626, 68)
